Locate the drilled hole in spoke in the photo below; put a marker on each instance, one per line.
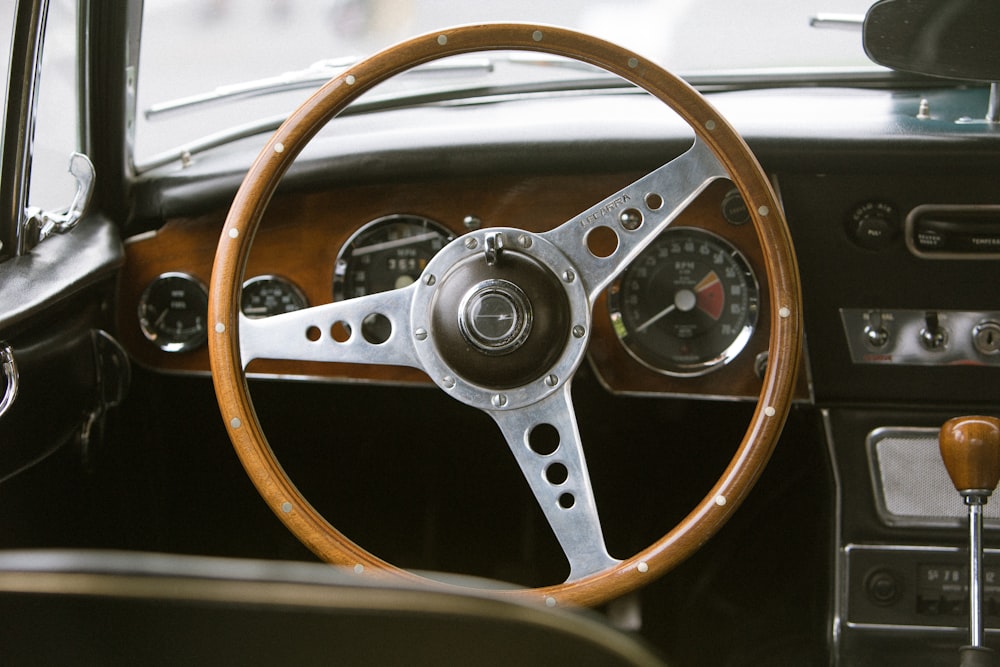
(340, 331)
(543, 439)
(557, 474)
(313, 334)
(567, 500)
(602, 241)
(376, 328)
(654, 202)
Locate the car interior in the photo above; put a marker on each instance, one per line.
(587, 362)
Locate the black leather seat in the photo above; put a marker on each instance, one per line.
(96, 607)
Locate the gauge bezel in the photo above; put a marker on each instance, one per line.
(341, 264)
(197, 339)
(723, 357)
(294, 289)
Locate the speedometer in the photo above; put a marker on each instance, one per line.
(687, 305)
(386, 254)
(264, 296)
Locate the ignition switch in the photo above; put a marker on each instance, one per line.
(986, 337)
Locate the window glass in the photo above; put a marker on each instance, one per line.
(57, 126)
(6, 35)
(192, 47)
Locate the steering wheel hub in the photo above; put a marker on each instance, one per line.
(499, 325)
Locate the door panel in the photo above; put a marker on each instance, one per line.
(54, 302)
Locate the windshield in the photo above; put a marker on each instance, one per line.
(192, 47)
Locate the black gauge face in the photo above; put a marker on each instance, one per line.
(264, 296)
(687, 305)
(386, 254)
(173, 311)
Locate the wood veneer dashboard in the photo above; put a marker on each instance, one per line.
(302, 233)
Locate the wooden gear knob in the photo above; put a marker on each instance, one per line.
(970, 449)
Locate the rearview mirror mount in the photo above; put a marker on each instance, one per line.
(956, 39)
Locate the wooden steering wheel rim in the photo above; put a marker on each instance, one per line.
(731, 151)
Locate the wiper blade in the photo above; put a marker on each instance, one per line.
(313, 76)
(592, 84)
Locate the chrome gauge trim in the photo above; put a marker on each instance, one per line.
(739, 274)
(155, 308)
(425, 230)
(290, 289)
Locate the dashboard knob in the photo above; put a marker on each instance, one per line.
(874, 225)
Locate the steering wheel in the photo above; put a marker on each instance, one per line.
(501, 317)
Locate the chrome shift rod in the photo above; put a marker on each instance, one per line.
(970, 449)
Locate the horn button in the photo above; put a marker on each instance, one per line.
(500, 325)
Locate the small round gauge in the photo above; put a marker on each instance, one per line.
(173, 311)
(687, 305)
(386, 254)
(264, 296)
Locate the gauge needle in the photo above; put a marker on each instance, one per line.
(395, 243)
(684, 300)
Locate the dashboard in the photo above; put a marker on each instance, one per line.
(876, 202)
(688, 318)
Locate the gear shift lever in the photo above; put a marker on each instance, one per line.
(970, 448)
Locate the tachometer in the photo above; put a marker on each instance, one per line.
(688, 304)
(386, 254)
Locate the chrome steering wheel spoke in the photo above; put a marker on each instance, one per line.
(546, 443)
(372, 329)
(636, 214)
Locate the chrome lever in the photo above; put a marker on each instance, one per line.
(9, 368)
(38, 225)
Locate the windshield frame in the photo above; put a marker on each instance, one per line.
(27, 40)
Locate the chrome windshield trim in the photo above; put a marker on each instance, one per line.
(22, 99)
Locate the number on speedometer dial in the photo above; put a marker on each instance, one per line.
(386, 254)
(688, 305)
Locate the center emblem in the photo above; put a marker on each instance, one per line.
(495, 317)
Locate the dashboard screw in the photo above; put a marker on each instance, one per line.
(421, 334)
(471, 243)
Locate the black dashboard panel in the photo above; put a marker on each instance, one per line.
(838, 273)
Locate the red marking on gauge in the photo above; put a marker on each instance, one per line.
(711, 296)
